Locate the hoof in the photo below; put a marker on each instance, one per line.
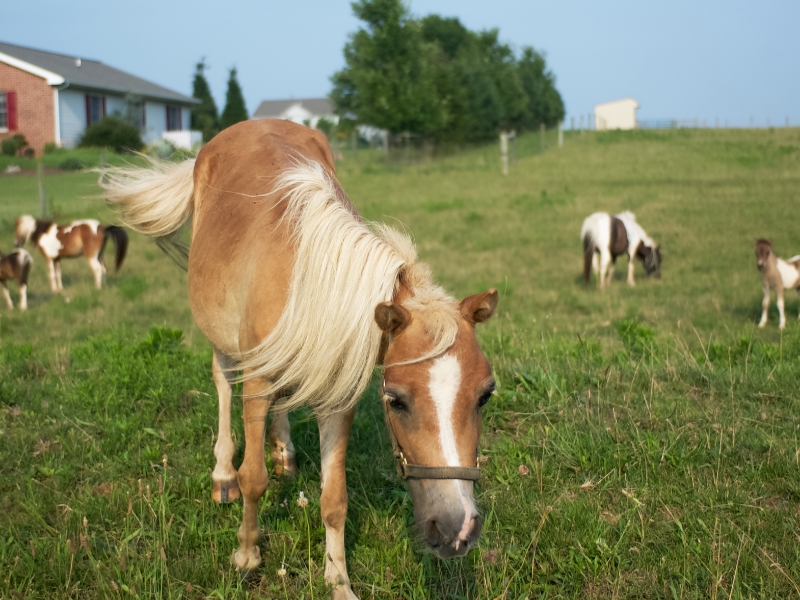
(247, 560)
(343, 592)
(223, 492)
(284, 464)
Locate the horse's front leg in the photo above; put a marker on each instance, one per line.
(51, 272)
(605, 260)
(781, 314)
(764, 306)
(334, 431)
(631, 265)
(7, 296)
(224, 487)
(252, 472)
(280, 438)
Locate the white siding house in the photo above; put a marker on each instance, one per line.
(304, 111)
(618, 114)
(85, 91)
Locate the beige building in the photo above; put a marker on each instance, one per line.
(617, 114)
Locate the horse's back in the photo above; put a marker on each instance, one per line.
(241, 258)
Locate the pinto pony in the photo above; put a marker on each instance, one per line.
(775, 273)
(610, 236)
(16, 265)
(292, 287)
(87, 237)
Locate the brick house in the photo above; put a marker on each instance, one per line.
(52, 98)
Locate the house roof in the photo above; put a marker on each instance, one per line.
(620, 101)
(58, 69)
(271, 109)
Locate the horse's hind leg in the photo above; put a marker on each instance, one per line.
(252, 473)
(334, 431)
(98, 270)
(605, 260)
(280, 438)
(631, 265)
(225, 487)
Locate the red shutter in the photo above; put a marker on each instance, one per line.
(88, 110)
(11, 107)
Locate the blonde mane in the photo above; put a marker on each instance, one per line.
(323, 350)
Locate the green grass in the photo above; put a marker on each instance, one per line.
(643, 443)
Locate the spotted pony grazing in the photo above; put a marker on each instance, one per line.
(776, 273)
(87, 237)
(294, 288)
(610, 236)
(16, 265)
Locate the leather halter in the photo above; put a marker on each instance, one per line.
(407, 470)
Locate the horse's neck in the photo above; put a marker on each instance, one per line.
(40, 229)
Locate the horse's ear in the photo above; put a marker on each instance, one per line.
(392, 318)
(480, 307)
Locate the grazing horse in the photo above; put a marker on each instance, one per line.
(292, 287)
(87, 237)
(776, 273)
(610, 236)
(16, 265)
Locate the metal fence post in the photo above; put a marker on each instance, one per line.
(504, 152)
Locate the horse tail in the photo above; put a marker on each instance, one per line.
(156, 201)
(588, 254)
(120, 237)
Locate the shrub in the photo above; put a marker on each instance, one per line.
(50, 148)
(14, 145)
(113, 133)
(71, 164)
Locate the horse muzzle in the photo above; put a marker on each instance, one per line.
(446, 516)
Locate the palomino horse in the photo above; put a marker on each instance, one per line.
(776, 273)
(610, 236)
(291, 286)
(87, 237)
(16, 265)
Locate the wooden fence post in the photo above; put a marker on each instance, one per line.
(541, 134)
(40, 177)
(504, 152)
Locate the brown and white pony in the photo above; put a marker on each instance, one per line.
(776, 273)
(611, 236)
(294, 288)
(87, 237)
(16, 265)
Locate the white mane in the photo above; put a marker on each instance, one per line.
(325, 345)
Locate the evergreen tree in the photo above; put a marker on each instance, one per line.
(204, 115)
(235, 110)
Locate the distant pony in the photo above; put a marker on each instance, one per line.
(16, 265)
(87, 237)
(611, 236)
(776, 273)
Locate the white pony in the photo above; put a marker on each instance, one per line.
(611, 236)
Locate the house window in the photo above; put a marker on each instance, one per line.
(3, 111)
(173, 118)
(95, 108)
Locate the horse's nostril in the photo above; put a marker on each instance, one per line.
(433, 535)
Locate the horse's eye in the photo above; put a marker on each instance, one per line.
(485, 397)
(395, 402)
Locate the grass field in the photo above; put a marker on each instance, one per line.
(644, 442)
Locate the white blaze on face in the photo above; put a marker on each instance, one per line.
(444, 383)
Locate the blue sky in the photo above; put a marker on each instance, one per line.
(710, 60)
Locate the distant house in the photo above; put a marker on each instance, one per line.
(305, 111)
(618, 114)
(52, 98)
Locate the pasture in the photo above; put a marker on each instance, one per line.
(643, 442)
